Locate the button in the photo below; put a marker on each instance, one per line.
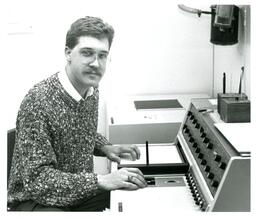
(215, 183)
(189, 113)
(217, 158)
(207, 168)
(191, 117)
(194, 121)
(185, 126)
(222, 165)
(209, 145)
(210, 175)
(203, 162)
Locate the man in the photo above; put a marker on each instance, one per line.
(56, 138)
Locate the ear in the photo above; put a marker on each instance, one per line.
(68, 54)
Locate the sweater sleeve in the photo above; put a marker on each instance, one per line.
(100, 141)
(42, 181)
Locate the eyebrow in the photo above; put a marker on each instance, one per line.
(91, 49)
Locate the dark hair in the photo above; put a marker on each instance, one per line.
(89, 26)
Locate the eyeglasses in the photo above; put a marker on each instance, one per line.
(91, 55)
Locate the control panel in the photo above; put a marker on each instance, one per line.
(212, 158)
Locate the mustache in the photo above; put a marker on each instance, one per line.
(92, 70)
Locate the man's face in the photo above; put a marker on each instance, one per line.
(87, 60)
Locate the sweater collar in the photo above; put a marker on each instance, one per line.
(70, 89)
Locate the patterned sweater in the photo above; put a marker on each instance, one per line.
(56, 137)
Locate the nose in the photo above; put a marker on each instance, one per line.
(95, 61)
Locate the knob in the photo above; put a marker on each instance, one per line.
(200, 155)
(209, 145)
(197, 125)
(222, 165)
(210, 175)
(217, 158)
(207, 168)
(194, 145)
(214, 183)
(197, 150)
(203, 162)
(206, 140)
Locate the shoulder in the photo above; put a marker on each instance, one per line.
(39, 94)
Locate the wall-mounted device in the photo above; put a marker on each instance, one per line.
(224, 23)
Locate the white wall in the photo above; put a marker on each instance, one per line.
(157, 47)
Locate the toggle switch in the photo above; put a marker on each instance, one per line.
(210, 175)
(197, 125)
(200, 155)
(207, 168)
(214, 183)
(209, 145)
(194, 145)
(217, 158)
(222, 165)
(203, 162)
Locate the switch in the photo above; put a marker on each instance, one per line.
(191, 139)
(214, 183)
(201, 129)
(186, 130)
(207, 168)
(194, 145)
(206, 140)
(210, 175)
(209, 145)
(197, 150)
(217, 158)
(203, 162)
(202, 135)
(222, 165)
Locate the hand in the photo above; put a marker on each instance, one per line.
(114, 153)
(125, 178)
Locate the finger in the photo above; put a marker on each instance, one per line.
(130, 186)
(131, 151)
(137, 151)
(138, 180)
(134, 170)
